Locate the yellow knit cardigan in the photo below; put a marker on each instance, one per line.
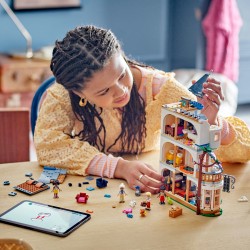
(56, 119)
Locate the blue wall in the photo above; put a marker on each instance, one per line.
(47, 26)
(140, 25)
(157, 32)
(162, 33)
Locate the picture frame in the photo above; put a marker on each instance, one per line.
(26, 5)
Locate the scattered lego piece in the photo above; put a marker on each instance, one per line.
(85, 182)
(12, 194)
(89, 211)
(130, 215)
(90, 188)
(143, 212)
(101, 183)
(79, 184)
(70, 184)
(28, 174)
(82, 198)
(5, 183)
(175, 211)
(107, 196)
(132, 203)
(127, 211)
(170, 201)
(90, 178)
(243, 198)
(113, 206)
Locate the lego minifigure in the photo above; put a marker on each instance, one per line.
(122, 193)
(162, 196)
(148, 201)
(56, 189)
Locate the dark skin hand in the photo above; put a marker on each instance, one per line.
(211, 100)
(131, 171)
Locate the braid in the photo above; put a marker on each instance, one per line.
(133, 117)
(84, 51)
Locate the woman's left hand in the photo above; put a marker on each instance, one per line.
(211, 100)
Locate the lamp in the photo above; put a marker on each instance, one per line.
(22, 29)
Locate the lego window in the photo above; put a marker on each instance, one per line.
(217, 191)
(207, 200)
(216, 137)
(216, 201)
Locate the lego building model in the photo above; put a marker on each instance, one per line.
(193, 175)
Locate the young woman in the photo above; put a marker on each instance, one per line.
(105, 105)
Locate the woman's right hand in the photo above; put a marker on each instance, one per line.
(138, 173)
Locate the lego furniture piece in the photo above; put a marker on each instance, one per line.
(101, 183)
(31, 187)
(109, 226)
(14, 134)
(19, 79)
(175, 212)
(82, 198)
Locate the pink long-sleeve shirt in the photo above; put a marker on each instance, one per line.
(221, 27)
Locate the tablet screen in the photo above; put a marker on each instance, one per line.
(45, 218)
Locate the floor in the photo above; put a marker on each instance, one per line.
(243, 112)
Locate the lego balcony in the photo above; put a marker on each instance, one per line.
(177, 158)
(191, 133)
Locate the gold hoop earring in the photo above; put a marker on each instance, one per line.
(83, 102)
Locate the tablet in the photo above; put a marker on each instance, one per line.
(44, 218)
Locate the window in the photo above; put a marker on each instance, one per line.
(216, 201)
(216, 137)
(207, 201)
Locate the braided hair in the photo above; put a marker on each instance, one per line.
(84, 51)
